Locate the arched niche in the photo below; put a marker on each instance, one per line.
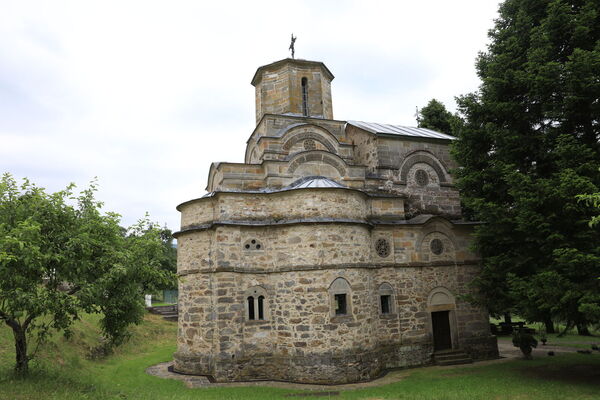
(440, 229)
(300, 133)
(422, 157)
(317, 157)
(437, 245)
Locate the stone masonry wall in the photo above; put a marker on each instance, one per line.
(279, 91)
(301, 341)
(295, 265)
(273, 219)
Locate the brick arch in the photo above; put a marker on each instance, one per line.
(309, 131)
(421, 156)
(317, 155)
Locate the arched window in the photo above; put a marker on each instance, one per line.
(261, 311)
(251, 308)
(386, 299)
(339, 298)
(256, 305)
(305, 97)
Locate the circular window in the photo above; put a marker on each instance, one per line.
(422, 177)
(309, 144)
(382, 247)
(436, 246)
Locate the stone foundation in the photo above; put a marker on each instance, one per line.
(354, 366)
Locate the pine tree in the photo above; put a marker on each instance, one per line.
(528, 146)
(435, 116)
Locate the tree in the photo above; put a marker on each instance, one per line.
(528, 145)
(168, 260)
(593, 200)
(58, 260)
(435, 116)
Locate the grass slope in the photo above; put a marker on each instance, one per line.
(62, 371)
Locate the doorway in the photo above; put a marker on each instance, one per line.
(440, 321)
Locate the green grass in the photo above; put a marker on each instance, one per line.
(162, 303)
(63, 372)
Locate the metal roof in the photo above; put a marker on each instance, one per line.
(400, 130)
(315, 182)
(307, 182)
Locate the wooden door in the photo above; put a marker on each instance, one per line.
(441, 330)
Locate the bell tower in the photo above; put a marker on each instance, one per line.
(296, 87)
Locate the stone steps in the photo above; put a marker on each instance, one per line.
(169, 313)
(451, 357)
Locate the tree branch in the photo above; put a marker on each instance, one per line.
(9, 321)
(28, 320)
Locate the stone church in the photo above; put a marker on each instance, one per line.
(335, 251)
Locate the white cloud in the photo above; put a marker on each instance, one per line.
(145, 95)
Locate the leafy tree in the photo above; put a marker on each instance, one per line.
(593, 200)
(59, 257)
(528, 145)
(168, 261)
(435, 116)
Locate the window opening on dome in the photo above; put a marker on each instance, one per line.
(305, 97)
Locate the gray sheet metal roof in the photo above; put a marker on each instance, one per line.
(400, 130)
(315, 182)
(302, 183)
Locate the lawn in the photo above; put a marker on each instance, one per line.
(62, 371)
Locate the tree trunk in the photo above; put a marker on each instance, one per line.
(22, 365)
(507, 318)
(549, 325)
(583, 330)
(567, 328)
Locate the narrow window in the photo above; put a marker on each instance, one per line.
(385, 304)
(250, 307)
(305, 97)
(340, 304)
(261, 314)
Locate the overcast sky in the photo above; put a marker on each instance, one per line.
(146, 94)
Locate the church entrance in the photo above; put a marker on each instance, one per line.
(441, 330)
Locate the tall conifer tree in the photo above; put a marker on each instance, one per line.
(528, 145)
